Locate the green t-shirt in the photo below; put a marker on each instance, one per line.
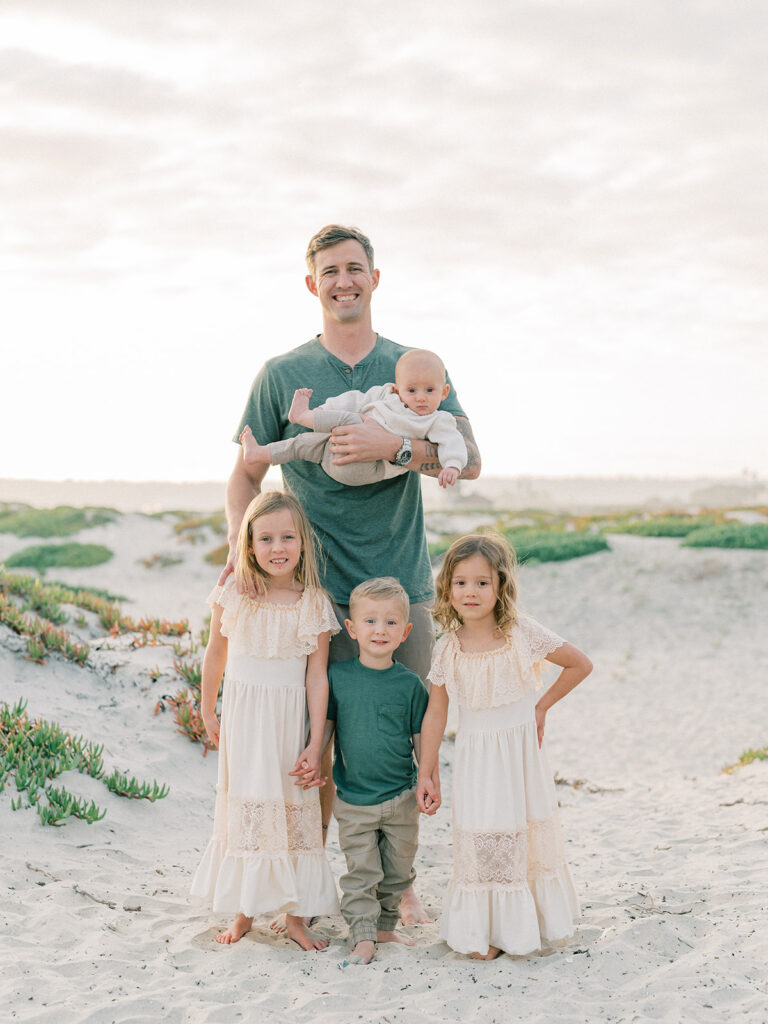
(373, 530)
(376, 712)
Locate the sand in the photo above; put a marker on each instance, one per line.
(669, 855)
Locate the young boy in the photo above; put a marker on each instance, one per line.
(376, 706)
(409, 407)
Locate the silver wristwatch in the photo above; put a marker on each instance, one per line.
(404, 453)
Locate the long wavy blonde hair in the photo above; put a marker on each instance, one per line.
(247, 568)
(501, 557)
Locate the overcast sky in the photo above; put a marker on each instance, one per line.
(567, 201)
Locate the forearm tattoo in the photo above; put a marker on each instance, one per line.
(430, 466)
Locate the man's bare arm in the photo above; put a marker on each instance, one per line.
(426, 462)
(242, 487)
(368, 441)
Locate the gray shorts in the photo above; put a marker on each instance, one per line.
(415, 653)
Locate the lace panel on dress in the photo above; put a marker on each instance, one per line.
(509, 859)
(272, 826)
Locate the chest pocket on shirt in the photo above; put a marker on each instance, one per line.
(392, 719)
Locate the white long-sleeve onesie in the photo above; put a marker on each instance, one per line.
(384, 406)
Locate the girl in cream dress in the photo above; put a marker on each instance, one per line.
(511, 886)
(266, 853)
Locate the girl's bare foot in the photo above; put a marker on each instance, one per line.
(411, 911)
(253, 452)
(295, 929)
(278, 925)
(492, 953)
(236, 930)
(393, 937)
(300, 406)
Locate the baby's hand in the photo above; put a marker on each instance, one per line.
(448, 477)
(428, 794)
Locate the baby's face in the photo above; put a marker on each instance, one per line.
(421, 388)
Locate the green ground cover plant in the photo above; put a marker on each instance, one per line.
(192, 528)
(34, 752)
(549, 544)
(668, 525)
(730, 535)
(62, 521)
(218, 556)
(747, 757)
(553, 546)
(20, 594)
(48, 556)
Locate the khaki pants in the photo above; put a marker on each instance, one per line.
(314, 447)
(379, 842)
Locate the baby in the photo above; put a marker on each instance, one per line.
(408, 407)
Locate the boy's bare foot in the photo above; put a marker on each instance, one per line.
(295, 929)
(253, 452)
(300, 406)
(236, 930)
(411, 911)
(393, 937)
(492, 953)
(363, 953)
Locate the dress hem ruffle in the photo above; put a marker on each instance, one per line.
(300, 884)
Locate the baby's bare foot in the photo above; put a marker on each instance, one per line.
(393, 937)
(253, 452)
(493, 952)
(411, 911)
(300, 406)
(295, 929)
(236, 930)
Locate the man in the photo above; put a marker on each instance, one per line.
(371, 530)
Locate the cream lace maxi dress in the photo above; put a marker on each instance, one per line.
(266, 853)
(510, 886)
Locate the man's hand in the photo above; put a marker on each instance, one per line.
(228, 569)
(363, 442)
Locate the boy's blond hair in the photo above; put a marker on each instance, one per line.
(378, 589)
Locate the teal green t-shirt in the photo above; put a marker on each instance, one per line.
(376, 712)
(373, 530)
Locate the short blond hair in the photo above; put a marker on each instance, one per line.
(378, 589)
(246, 566)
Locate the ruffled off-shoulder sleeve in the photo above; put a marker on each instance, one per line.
(316, 616)
(441, 670)
(266, 630)
(540, 641)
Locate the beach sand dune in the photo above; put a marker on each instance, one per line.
(668, 854)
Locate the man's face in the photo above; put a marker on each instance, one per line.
(343, 281)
